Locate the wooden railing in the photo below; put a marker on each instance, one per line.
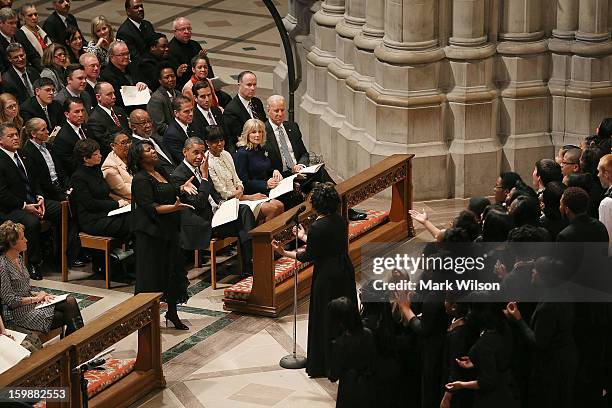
(269, 299)
(54, 364)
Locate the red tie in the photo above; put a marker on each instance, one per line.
(115, 119)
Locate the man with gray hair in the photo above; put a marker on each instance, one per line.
(118, 71)
(18, 78)
(183, 49)
(91, 66)
(196, 229)
(142, 128)
(8, 28)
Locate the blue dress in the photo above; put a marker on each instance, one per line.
(254, 169)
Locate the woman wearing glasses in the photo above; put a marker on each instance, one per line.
(115, 168)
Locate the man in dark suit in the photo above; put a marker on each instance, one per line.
(582, 228)
(142, 128)
(180, 128)
(91, 65)
(8, 28)
(149, 62)
(204, 114)
(59, 20)
(244, 106)
(48, 169)
(43, 106)
(118, 71)
(160, 104)
(135, 29)
(72, 131)
(106, 119)
(196, 228)
(21, 198)
(183, 49)
(76, 80)
(19, 78)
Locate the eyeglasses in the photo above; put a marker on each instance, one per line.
(123, 54)
(11, 107)
(144, 122)
(124, 143)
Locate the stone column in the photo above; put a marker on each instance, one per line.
(404, 106)
(589, 93)
(333, 144)
(522, 75)
(475, 151)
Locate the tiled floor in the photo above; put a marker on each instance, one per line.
(225, 359)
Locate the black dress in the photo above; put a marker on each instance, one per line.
(459, 338)
(159, 259)
(353, 364)
(333, 277)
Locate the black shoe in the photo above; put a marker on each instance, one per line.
(74, 325)
(34, 272)
(176, 322)
(354, 215)
(78, 263)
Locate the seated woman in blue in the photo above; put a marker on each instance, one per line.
(254, 168)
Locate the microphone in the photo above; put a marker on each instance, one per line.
(295, 216)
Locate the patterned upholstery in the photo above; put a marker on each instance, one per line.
(284, 267)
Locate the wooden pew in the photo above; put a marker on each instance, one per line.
(268, 298)
(53, 365)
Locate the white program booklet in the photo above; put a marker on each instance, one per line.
(11, 353)
(311, 169)
(132, 96)
(120, 210)
(284, 187)
(56, 299)
(227, 212)
(18, 336)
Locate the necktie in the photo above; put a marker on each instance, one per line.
(115, 118)
(211, 119)
(28, 85)
(253, 113)
(198, 174)
(24, 177)
(47, 116)
(82, 134)
(287, 157)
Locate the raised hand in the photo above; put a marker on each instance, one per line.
(512, 311)
(418, 217)
(179, 205)
(464, 362)
(188, 187)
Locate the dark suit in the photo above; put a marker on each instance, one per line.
(183, 53)
(90, 91)
(160, 109)
(4, 61)
(13, 83)
(55, 27)
(169, 166)
(235, 115)
(55, 191)
(584, 229)
(33, 57)
(102, 127)
(117, 79)
(64, 147)
(63, 94)
(174, 140)
(136, 39)
(32, 109)
(13, 194)
(196, 224)
(200, 122)
(148, 69)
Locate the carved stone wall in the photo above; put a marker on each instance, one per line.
(471, 87)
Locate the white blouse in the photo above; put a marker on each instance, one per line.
(222, 173)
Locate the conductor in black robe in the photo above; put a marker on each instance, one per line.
(333, 276)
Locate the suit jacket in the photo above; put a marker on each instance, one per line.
(183, 53)
(235, 115)
(174, 140)
(12, 188)
(295, 138)
(196, 227)
(63, 94)
(135, 38)
(64, 147)
(200, 123)
(4, 62)
(101, 127)
(89, 89)
(90, 195)
(32, 109)
(33, 57)
(12, 83)
(168, 166)
(54, 26)
(584, 229)
(160, 109)
(117, 79)
(57, 191)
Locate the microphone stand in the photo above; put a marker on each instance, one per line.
(293, 361)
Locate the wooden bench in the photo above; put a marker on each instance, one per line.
(216, 244)
(267, 293)
(53, 365)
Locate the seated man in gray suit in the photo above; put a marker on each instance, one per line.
(76, 81)
(160, 104)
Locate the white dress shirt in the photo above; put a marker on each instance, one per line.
(48, 159)
(605, 216)
(247, 105)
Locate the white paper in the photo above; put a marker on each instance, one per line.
(56, 299)
(11, 353)
(132, 96)
(311, 169)
(18, 336)
(284, 187)
(254, 203)
(227, 212)
(120, 210)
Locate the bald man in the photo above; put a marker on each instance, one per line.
(183, 49)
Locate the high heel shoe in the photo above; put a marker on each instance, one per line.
(176, 322)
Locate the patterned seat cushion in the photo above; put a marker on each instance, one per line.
(284, 267)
